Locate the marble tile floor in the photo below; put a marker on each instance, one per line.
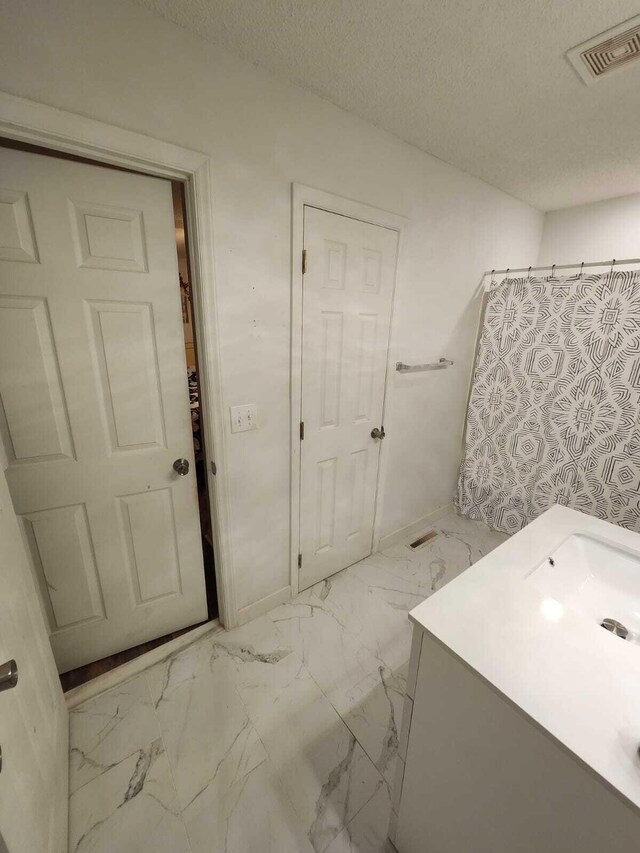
(279, 736)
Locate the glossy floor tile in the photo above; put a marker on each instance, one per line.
(281, 735)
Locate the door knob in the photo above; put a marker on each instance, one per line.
(378, 433)
(181, 467)
(8, 675)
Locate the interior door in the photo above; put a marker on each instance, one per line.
(95, 405)
(34, 725)
(347, 301)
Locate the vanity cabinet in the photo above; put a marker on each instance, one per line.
(477, 775)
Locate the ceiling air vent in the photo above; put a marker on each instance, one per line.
(607, 53)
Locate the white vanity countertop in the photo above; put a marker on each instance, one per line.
(576, 680)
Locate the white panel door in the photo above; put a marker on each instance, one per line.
(347, 301)
(34, 724)
(95, 403)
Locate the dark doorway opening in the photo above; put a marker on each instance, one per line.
(193, 376)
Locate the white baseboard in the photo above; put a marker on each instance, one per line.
(410, 531)
(259, 608)
(133, 667)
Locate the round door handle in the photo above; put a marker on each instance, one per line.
(181, 467)
(8, 675)
(378, 433)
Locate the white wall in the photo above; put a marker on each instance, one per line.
(118, 63)
(592, 232)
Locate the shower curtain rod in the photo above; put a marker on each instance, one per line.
(612, 263)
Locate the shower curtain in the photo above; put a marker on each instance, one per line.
(554, 411)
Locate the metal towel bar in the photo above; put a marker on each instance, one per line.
(416, 368)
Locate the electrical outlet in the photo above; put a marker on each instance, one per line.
(244, 418)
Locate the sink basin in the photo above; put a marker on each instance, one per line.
(594, 577)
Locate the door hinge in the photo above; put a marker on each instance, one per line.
(299, 561)
(214, 469)
(304, 261)
(301, 430)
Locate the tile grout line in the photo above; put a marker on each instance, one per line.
(354, 736)
(267, 753)
(145, 676)
(342, 720)
(346, 725)
(251, 725)
(73, 749)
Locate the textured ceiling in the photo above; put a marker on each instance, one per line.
(482, 84)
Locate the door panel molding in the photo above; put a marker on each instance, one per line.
(153, 560)
(27, 353)
(52, 533)
(39, 124)
(303, 196)
(127, 428)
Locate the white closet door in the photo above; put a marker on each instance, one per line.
(95, 403)
(347, 301)
(34, 724)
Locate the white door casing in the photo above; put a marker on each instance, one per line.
(95, 403)
(34, 723)
(346, 316)
(36, 123)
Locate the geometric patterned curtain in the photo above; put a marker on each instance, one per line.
(554, 413)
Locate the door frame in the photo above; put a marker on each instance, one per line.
(305, 196)
(39, 124)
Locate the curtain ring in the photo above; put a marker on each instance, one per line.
(529, 274)
(613, 263)
(506, 277)
(553, 271)
(581, 268)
